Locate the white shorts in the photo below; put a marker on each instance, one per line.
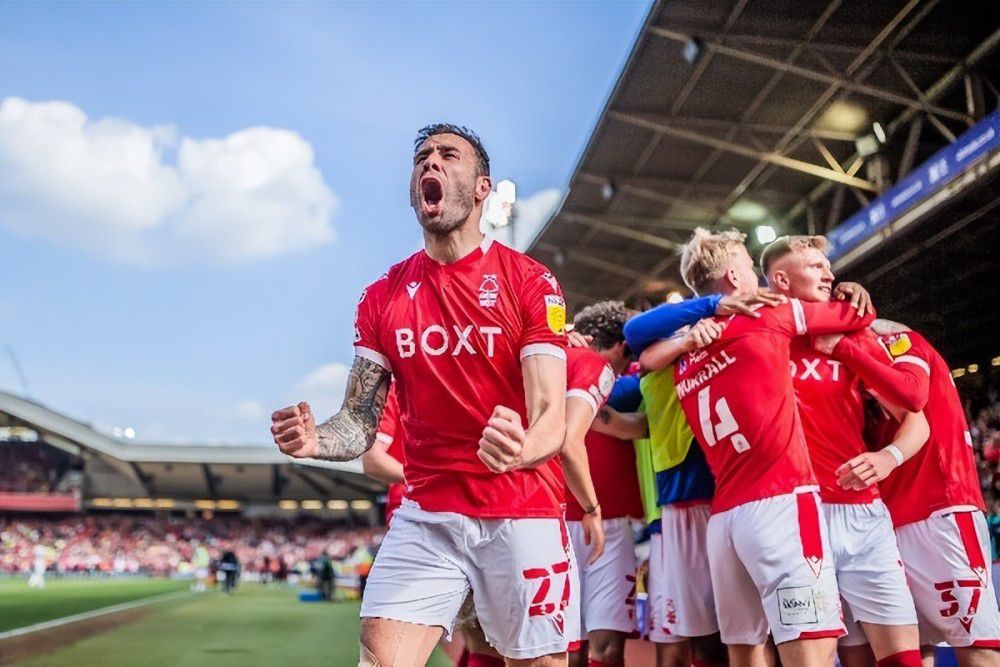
(947, 565)
(607, 588)
(772, 568)
(680, 585)
(869, 570)
(522, 573)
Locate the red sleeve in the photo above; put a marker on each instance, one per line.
(802, 317)
(543, 314)
(589, 377)
(367, 324)
(903, 380)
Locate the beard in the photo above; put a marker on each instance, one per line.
(456, 207)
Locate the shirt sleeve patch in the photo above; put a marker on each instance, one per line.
(555, 313)
(606, 382)
(898, 344)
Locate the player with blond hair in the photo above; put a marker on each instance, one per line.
(831, 403)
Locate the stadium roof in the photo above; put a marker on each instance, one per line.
(247, 473)
(747, 113)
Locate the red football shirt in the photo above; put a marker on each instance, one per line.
(737, 394)
(943, 473)
(454, 336)
(612, 461)
(831, 406)
(390, 432)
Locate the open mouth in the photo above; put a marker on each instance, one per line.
(825, 289)
(431, 195)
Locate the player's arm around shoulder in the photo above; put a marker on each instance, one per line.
(344, 436)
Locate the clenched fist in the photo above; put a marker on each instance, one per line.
(502, 446)
(294, 431)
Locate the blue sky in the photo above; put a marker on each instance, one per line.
(192, 195)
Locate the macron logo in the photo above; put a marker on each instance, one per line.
(411, 288)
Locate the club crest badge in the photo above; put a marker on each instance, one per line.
(489, 290)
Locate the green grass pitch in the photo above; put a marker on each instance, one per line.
(258, 626)
(21, 606)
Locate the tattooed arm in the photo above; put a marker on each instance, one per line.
(625, 426)
(344, 436)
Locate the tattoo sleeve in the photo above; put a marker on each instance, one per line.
(604, 414)
(351, 432)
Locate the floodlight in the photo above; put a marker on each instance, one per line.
(765, 233)
(692, 50)
(608, 190)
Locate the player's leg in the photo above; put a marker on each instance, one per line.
(481, 654)
(674, 654)
(671, 650)
(608, 595)
(946, 558)
(525, 588)
(784, 544)
(681, 589)
(578, 649)
(699, 652)
(856, 655)
(415, 588)
(743, 625)
(804, 652)
(971, 656)
(606, 648)
(709, 651)
(894, 645)
(389, 643)
(873, 587)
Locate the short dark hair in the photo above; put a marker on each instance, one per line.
(604, 321)
(425, 133)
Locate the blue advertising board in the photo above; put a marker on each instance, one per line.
(943, 167)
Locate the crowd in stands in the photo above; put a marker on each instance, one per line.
(985, 429)
(27, 467)
(984, 425)
(164, 546)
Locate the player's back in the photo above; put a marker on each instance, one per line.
(943, 473)
(738, 396)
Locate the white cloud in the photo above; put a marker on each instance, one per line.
(143, 195)
(250, 410)
(324, 388)
(532, 213)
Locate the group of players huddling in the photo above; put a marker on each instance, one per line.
(829, 505)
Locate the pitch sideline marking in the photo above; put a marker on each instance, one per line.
(94, 613)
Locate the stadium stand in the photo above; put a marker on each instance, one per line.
(30, 468)
(779, 118)
(52, 462)
(111, 544)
